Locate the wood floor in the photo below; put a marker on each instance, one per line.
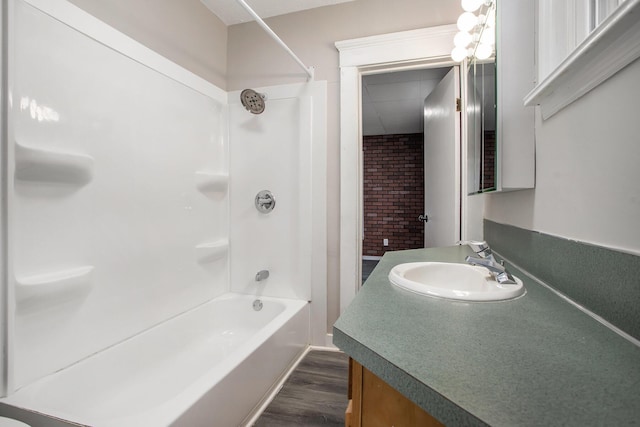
(314, 395)
(367, 268)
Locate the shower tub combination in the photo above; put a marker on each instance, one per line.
(135, 232)
(211, 366)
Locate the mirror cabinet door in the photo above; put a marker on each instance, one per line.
(481, 126)
(501, 135)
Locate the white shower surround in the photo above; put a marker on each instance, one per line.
(118, 186)
(282, 150)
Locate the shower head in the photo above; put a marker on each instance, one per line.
(252, 101)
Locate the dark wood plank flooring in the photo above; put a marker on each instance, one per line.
(315, 394)
(367, 268)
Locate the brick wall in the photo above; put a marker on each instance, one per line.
(393, 192)
(489, 159)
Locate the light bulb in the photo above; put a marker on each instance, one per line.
(471, 5)
(462, 39)
(467, 21)
(483, 51)
(488, 36)
(458, 53)
(491, 18)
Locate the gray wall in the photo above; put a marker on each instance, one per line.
(587, 170)
(183, 31)
(256, 60)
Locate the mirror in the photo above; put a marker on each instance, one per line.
(481, 110)
(481, 125)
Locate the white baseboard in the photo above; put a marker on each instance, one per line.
(328, 344)
(371, 258)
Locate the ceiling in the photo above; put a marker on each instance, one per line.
(393, 103)
(230, 12)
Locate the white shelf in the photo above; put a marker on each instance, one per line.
(57, 285)
(45, 165)
(212, 251)
(212, 183)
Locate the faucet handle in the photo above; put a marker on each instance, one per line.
(480, 247)
(477, 245)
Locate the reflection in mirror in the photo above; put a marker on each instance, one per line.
(481, 125)
(475, 43)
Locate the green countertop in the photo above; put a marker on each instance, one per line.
(533, 361)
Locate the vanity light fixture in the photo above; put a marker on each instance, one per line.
(476, 36)
(471, 5)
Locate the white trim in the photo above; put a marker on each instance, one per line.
(318, 223)
(357, 56)
(350, 205)
(397, 47)
(371, 258)
(328, 343)
(609, 48)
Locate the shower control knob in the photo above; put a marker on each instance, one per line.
(265, 201)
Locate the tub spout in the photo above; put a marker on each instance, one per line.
(262, 275)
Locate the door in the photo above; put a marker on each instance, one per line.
(442, 163)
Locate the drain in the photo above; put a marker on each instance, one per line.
(257, 305)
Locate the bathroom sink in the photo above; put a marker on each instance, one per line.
(453, 281)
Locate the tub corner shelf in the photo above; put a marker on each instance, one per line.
(211, 183)
(59, 285)
(46, 165)
(212, 251)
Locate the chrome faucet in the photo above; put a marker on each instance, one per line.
(487, 260)
(262, 275)
(481, 248)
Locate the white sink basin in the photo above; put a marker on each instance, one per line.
(452, 281)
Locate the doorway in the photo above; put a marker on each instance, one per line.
(423, 48)
(393, 148)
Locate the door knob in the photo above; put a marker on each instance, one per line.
(424, 218)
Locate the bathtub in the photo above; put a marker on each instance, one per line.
(210, 366)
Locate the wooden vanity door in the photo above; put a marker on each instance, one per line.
(374, 403)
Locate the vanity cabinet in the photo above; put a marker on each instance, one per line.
(373, 403)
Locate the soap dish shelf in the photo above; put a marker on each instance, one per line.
(210, 183)
(62, 284)
(212, 251)
(47, 165)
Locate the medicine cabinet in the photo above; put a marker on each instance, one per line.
(500, 129)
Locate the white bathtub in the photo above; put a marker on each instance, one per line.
(210, 366)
